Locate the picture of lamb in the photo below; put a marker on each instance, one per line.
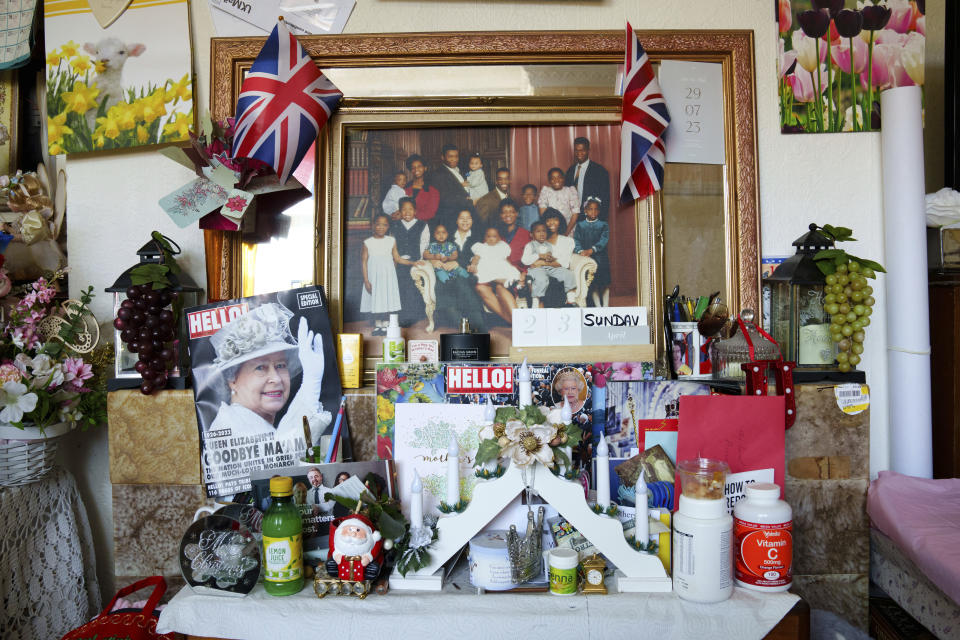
(110, 54)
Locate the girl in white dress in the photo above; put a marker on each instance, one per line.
(491, 259)
(381, 293)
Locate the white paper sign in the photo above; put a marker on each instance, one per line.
(302, 18)
(694, 95)
(734, 490)
(614, 326)
(421, 436)
(563, 327)
(529, 327)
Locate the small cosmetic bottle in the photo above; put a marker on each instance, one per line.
(464, 346)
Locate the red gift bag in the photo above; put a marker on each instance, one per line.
(127, 624)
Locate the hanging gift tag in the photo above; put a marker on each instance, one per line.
(852, 398)
(107, 11)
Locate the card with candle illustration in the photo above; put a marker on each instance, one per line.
(422, 444)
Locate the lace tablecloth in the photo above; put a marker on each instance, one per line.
(464, 615)
(48, 580)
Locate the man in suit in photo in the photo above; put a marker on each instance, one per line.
(488, 207)
(448, 181)
(589, 177)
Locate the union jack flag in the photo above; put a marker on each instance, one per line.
(284, 102)
(644, 120)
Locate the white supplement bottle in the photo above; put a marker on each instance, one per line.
(702, 533)
(763, 539)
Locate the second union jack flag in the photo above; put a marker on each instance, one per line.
(645, 118)
(284, 102)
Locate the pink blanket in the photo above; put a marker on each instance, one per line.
(923, 518)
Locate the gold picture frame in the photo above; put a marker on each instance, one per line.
(230, 58)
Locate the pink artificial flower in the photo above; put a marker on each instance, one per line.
(785, 15)
(9, 373)
(803, 85)
(75, 371)
(841, 55)
(600, 373)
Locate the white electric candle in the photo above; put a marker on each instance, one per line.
(643, 513)
(526, 388)
(489, 412)
(603, 474)
(566, 415)
(416, 502)
(453, 472)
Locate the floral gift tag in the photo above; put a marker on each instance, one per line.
(236, 205)
(194, 200)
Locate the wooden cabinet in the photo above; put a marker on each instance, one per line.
(945, 372)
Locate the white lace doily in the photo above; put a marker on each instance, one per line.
(48, 580)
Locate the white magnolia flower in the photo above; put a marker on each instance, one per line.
(46, 372)
(555, 416)
(526, 444)
(16, 401)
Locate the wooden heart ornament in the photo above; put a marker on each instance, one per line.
(107, 11)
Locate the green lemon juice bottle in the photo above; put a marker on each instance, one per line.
(282, 541)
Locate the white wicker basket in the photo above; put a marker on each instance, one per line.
(26, 455)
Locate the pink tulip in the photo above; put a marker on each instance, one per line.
(786, 59)
(922, 25)
(888, 69)
(785, 15)
(841, 55)
(803, 85)
(901, 15)
(889, 36)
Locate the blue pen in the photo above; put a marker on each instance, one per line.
(336, 431)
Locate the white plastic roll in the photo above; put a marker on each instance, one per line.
(908, 334)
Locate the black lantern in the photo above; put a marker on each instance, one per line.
(181, 293)
(798, 321)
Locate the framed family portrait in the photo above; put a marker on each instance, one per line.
(451, 153)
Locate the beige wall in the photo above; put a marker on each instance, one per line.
(825, 178)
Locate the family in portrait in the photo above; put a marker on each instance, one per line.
(452, 233)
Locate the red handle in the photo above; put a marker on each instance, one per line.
(159, 588)
(756, 373)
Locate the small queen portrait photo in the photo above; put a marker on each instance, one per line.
(570, 384)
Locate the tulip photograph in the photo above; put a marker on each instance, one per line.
(836, 56)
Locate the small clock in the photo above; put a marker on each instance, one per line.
(593, 569)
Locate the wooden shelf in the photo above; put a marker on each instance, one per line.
(620, 353)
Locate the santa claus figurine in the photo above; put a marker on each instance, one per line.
(356, 551)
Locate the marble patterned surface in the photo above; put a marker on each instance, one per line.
(148, 523)
(914, 592)
(822, 430)
(846, 595)
(831, 533)
(361, 417)
(153, 439)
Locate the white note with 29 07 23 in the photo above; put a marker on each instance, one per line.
(694, 95)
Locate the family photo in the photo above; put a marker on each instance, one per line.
(474, 222)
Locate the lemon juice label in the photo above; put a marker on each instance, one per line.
(283, 558)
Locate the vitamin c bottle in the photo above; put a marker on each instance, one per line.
(282, 541)
(763, 539)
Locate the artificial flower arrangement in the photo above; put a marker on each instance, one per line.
(44, 381)
(529, 435)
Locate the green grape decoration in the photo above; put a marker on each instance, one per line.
(848, 296)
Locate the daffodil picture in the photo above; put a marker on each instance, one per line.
(125, 86)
